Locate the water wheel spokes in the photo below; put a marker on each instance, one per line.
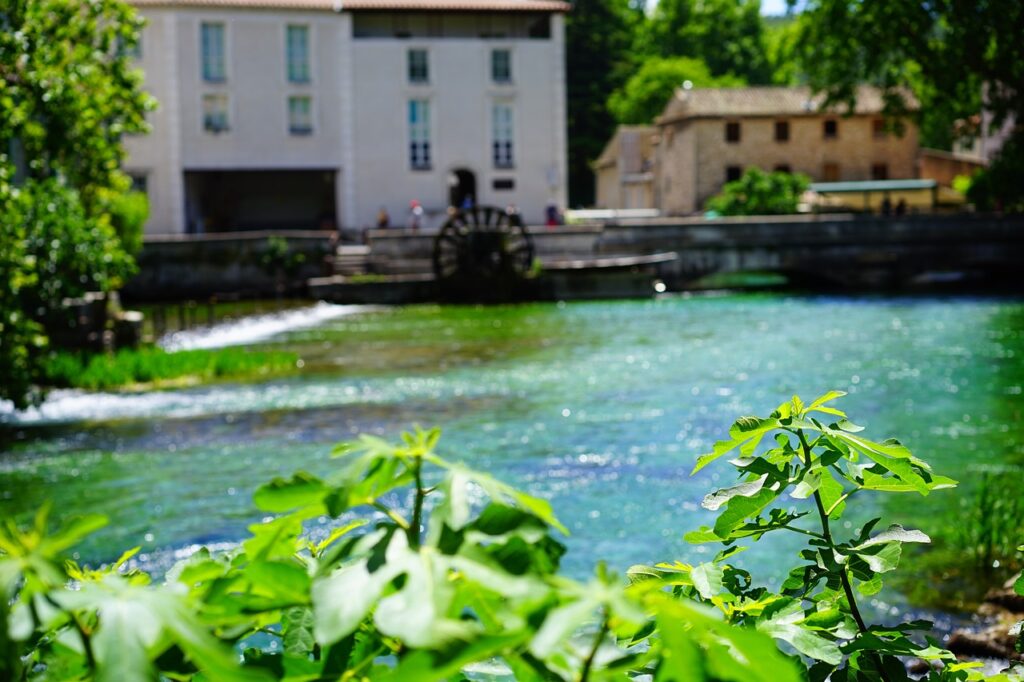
(481, 251)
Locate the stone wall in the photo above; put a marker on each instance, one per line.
(236, 264)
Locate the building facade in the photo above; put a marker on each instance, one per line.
(707, 137)
(624, 172)
(311, 114)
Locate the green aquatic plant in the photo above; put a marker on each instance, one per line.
(435, 571)
(154, 366)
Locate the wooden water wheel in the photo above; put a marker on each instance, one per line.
(483, 253)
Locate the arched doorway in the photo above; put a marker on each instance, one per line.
(461, 186)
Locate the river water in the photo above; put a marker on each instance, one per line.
(601, 407)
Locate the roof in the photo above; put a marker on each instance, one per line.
(871, 186)
(763, 101)
(631, 141)
(372, 5)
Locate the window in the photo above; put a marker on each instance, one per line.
(501, 116)
(300, 115)
(419, 71)
(733, 173)
(297, 38)
(140, 182)
(879, 171)
(130, 50)
(878, 129)
(782, 131)
(831, 129)
(503, 184)
(501, 66)
(783, 168)
(212, 43)
(419, 134)
(215, 113)
(830, 172)
(732, 131)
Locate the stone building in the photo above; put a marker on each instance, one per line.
(707, 137)
(625, 170)
(308, 114)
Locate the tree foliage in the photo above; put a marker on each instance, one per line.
(760, 193)
(436, 571)
(728, 35)
(599, 41)
(644, 96)
(68, 94)
(955, 56)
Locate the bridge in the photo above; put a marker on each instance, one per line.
(846, 251)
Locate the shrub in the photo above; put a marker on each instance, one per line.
(760, 193)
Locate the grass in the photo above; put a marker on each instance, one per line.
(150, 367)
(978, 551)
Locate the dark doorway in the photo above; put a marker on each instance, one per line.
(461, 186)
(229, 201)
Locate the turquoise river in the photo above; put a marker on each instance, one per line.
(600, 407)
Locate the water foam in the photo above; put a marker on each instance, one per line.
(257, 328)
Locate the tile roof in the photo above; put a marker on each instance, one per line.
(762, 101)
(632, 143)
(457, 5)
(373, 5)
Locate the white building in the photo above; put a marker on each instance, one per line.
(278, 114)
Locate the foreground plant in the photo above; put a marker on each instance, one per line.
(816, 456)
(433, 571)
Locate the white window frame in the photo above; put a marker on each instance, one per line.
(510, 74)
(303, 75)
(503, 134)
(227, 113)
(207, 60)
(298, 131)
(420, 134)
(425, 80)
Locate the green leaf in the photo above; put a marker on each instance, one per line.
(746, 432)
(895, 533)
(893, 457)
(818, 402)
(120, 653)
(72, 532)
(739, 509)
(805, 641)
(343, 599)
(285, 581)
(297, 630)
(707, 578)
(831, 491)
(1019, 584)
(871, 587)
(873, 481)
(560, 624)
(716, 499)
(281, 495)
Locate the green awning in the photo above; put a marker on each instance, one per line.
(872, 186)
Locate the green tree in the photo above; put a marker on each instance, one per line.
(68, 93)
(760, 193)
(951, 55)
(728, 35)
(644, 96)
(599, 36)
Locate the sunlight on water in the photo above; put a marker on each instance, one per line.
(600, 407)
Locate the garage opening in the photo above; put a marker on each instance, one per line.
(233, 201)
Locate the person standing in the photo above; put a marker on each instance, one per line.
(415, 215)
